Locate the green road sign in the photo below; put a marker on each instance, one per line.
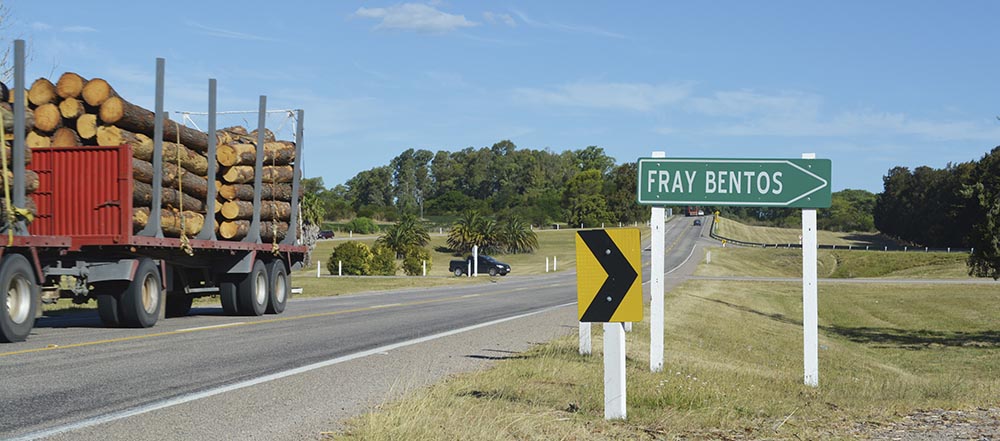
(798, 183)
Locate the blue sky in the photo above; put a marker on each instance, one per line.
(870, 85)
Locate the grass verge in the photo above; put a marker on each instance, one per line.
(840, 264)
(733, 370)
(774, 235)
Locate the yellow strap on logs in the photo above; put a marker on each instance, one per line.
(185, 242)
(11, 213)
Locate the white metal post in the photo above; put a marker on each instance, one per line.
(614, 371)
(425, 268)
(468, 272)
(475, 260)
(628, 326)
(656, 288)
(810, 307)
(340, 268)
(317, 269)
(546, 263)
(584, 338)
(554, 264)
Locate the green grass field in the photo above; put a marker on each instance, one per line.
(772, 235)
(840, 264)
(733, 367)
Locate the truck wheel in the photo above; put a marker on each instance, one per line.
(279, 288)
(141, 302)
(251, 294)
(227, 295)
(458, 272)
(493, 272)
(107, 309)
(179, 305)
(20, 298)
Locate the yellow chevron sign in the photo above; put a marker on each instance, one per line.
(609, 275)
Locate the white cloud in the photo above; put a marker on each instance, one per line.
(572, 28)
(225, 33)
(745, 103)
(640, 97)
(496, 17)
(45, 27)
(415, 17)
(78, 29)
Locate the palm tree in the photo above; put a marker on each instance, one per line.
(466, 232)
(405, 234)
(517, 237)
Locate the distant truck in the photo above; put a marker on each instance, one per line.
(487, 265)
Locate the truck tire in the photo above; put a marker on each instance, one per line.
(493, 272)
(458, 272)
(107, 309)
(19, 302)
(179, 305)
(251, 293)
(227, 295)
(279, 287)
(141, 301)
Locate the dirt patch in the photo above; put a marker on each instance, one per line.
(934, 425)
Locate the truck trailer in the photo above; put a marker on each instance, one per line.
(82, 243)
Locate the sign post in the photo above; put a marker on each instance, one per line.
(609, 291)
(656, 288)
(793, 183)
(810, 307)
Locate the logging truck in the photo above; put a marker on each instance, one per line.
(137, 212)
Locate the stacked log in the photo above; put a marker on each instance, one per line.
(76, 111)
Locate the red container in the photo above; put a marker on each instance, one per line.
(84, 193)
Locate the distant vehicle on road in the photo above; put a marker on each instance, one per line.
(326, 234)
(697, 222)
(487, 265)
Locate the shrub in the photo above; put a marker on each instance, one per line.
(383, 261)
(413, 262)
(362, 225)
(355, 258)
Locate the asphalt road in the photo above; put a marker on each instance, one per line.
(214, 376)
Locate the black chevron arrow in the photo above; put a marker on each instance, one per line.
(620, 276)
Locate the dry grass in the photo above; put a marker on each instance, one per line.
(733, 370)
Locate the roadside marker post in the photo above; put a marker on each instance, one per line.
(317, 269)
(554, 263)
(792, 183)
(656, 288)
(475, 261)
(584, 338)
(546, 263)
(609, 291)
(810, 307)
(340, 268)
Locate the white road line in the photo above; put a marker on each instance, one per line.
(388, 305)
(114, 416)
(224, 325)
(685, 260)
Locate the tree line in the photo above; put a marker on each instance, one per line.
(536, 186)
(958, 205)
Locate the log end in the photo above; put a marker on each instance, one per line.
(70, 85)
